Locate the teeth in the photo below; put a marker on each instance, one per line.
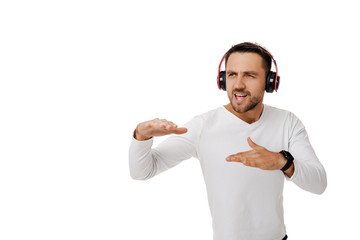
(238, 95)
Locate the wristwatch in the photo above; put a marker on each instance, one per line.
(289, 159)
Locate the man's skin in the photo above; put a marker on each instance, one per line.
(245, 84)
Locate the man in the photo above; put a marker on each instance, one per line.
(246, 149)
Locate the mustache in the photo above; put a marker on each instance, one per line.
(241, 91)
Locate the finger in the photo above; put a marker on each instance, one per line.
(170, 125)
(179, 130)
(241, 156)
(162, 122)
(166, 125)
(251, 143)
(235, 157)
(246, 161)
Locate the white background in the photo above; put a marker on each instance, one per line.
(78, 76)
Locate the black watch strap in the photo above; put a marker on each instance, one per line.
(289, 158)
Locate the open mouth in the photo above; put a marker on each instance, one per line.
(240, 97)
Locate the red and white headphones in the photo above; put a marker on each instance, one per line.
(270, 85)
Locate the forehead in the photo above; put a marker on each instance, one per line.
(244, 61)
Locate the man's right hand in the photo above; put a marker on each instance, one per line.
(156, 127)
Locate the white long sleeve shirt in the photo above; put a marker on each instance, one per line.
(246, 203)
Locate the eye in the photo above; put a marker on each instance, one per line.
(251, 76)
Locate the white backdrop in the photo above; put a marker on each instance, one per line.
(77, 76)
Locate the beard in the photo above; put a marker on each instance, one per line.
(248, 104)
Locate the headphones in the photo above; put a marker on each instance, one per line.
(270, 85)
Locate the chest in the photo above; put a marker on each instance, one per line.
(220, 140)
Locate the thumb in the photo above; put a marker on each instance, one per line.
(251, 143)
(180, 130)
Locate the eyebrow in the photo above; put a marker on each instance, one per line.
(246, 72)
(230, 71)
(251, 72)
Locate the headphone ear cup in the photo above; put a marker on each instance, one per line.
(277, 83)
(222, 80)
(270, 82)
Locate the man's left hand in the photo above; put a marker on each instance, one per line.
(259, 157)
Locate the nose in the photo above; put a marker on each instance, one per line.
(239, 83)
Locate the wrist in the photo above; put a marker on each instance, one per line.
(140, 137)
(290, 171)
(282, 160)
(289, 160)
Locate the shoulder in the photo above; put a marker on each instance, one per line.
(285, 116)
(206, 117)
(211, 114)
(277, 112)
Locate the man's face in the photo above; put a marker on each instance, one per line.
(245, 81)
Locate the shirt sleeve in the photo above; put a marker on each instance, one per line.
(309, 173)
(146, 162)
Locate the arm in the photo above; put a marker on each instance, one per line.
(309, 173)
(290, 171)
(145, 162)
(306, 171)
(262, 158)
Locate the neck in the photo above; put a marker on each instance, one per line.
(250, 116)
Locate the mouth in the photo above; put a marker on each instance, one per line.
(240, 97)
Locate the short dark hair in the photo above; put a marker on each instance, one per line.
(253, 48)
